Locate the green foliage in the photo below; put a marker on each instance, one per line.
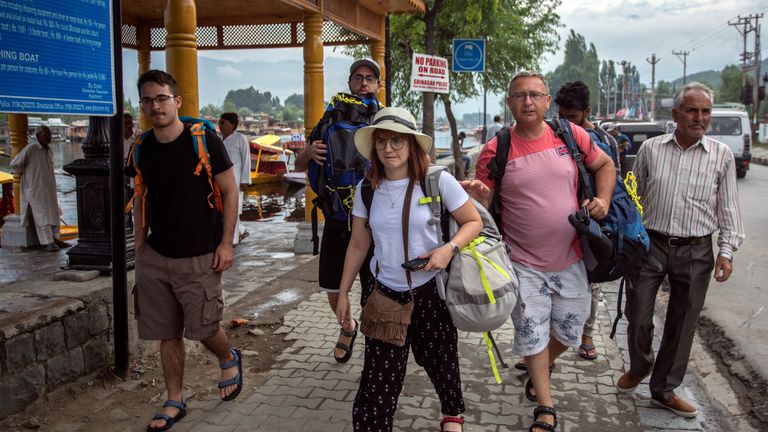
(730, 89)
(295, 100)
(581, 64)
(211, 110)
(253, 99)
(130, 108)
(292, 113)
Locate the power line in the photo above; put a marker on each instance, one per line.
(718, 29)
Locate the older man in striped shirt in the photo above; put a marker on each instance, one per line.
(687, 182)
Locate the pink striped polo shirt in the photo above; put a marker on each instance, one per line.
(538, 192)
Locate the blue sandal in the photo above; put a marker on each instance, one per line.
(169, 421)
(237, 379)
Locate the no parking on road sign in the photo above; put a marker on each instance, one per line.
(469, 55)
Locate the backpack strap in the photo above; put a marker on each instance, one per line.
(430, 187)
(562, 129)
(366, 191)
(139, 187)
(201, 150)
(496, 168)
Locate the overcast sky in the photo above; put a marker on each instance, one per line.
(620, 29)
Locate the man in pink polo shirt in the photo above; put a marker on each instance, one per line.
(538, 192)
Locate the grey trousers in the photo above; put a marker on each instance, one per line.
(589, 325)
(689, 269)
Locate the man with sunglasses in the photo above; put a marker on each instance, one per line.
(182, 244)
(363, 80)
(537, 193)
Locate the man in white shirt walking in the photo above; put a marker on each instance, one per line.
(687, 182)
(239, 153)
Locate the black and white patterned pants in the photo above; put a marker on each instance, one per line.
(434, 341)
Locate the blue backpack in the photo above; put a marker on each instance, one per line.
(334, 181)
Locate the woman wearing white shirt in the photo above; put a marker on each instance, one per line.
(399, 159)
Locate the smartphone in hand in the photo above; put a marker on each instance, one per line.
(415, 264)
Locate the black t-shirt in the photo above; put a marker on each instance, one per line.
(181, 223)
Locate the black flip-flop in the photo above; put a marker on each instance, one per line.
(237, 379)
(346, 348)
(584, 350)
(169, 421)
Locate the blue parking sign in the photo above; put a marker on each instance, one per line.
(469, 55)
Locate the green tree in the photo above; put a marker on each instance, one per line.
(517, 34)
(296, 100)
(243, 112)
(580, 63)
(211, 110)
(291, 113)
(129, 108)
(254, 100)
(730, 89)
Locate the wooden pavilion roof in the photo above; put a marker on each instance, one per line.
(239, 24)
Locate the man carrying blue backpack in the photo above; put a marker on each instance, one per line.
(334, 185)
(573, 104)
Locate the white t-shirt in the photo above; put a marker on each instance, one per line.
(386, 227)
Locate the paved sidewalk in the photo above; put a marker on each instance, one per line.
(310, 392)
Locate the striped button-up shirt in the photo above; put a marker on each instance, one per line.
(690, 193)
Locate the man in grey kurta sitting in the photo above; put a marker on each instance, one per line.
(39, 204)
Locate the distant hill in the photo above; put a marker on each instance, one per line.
(217, 77)
(713, 77)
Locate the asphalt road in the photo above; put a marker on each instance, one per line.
(740, 305)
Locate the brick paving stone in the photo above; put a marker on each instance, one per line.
(311, 392)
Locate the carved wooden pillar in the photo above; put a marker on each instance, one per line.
(377, 50)
(181, 52)
(313, 85)
(18, 130)
(144, 59)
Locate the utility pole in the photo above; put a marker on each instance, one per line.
(683, 59)
(754, 56)
(653, 62)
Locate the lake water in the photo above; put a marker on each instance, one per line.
(274, 202)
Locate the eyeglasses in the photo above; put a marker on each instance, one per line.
(396, 143)
(160, 99)
(521, 96)
(370, 79)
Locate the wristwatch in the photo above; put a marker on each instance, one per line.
(454, 248)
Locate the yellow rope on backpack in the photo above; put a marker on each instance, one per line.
(340, 97)
(490, 356)
(347, 202)
(630, 183)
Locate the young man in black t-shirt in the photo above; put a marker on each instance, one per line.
(180, 263)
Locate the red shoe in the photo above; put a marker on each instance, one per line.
(459, 420)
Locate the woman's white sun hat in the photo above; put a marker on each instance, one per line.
(392, 119)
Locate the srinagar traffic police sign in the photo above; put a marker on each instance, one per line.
(469, 55)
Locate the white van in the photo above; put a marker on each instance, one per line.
(731, 127)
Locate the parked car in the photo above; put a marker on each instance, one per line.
(731, 127)
(637, 131)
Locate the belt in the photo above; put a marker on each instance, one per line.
(673, 241)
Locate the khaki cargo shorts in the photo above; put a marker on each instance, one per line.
(176, 297)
